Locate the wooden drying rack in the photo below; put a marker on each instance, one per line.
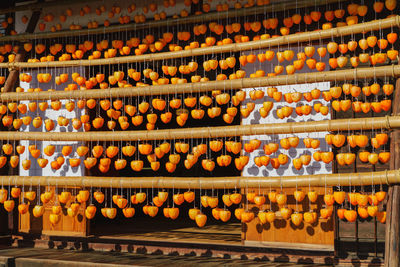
(388, 122)
(316, 180)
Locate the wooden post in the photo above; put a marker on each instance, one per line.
(392, 239)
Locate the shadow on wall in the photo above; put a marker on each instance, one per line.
(49, 113)
(255, 118)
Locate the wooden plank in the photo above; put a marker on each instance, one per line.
(27, 222)
(24, 223)
(283, 231)
(392, 240)
(40, 5)
(67, 226)
(286, 245)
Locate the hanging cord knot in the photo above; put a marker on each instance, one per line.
(387, 176)
(387, 122)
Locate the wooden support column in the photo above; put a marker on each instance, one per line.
(392, 234)
(20, 56)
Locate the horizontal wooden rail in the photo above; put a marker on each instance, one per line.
(343, 179)
(388, 122)
(235, 47)
(282, 5)
(41, 5)
(188, 88)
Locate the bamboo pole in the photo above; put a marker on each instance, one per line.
(338, 75)
(276, 7)
(321, 180)
(388, 122)
(235, 47)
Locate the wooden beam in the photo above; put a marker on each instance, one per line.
(211, 132)
(392, 232)
(320, 180)
(41, 4)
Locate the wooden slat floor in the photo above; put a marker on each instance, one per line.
(209, 234)
(212, 245)
(52, 257)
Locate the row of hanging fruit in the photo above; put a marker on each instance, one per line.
(117, 110)
(272, 23)
(354, 10)
(228, 150)
(372, 49)
(304, 57)
(367, 205)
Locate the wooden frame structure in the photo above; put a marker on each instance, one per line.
(391, 177)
